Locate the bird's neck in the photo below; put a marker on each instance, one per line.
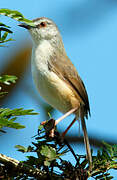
(40, 56)
(54, 44)
(43, 50)
(43, 53)
(57, 44)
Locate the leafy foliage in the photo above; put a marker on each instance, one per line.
(8, 116)
(49, 153)
(2, 93)
(106, 159)
(15, 15)
(4, 29)
(6, 79)
(24, 149)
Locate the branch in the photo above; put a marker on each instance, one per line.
(4, 29)
(48, 158)
(17, 167)
(95, 141)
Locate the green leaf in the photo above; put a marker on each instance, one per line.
(2, 94)
(8, 116)
(111, 149)
(4, 122)
(4, 36)
(46, 163)
(24, 149)
(1, 24)
(48, 152)
(10, 39)
(16, 112)
(8, 79)
(16, 15)
(5, 29)
(40, 127)
(8, 12)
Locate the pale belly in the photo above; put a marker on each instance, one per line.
(54, 90)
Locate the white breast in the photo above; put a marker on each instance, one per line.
(54, 90)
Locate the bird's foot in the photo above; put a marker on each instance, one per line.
(49, 127)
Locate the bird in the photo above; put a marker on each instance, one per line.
(55, 76)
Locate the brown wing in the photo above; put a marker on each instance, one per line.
(66, 71)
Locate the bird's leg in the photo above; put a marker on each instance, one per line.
(60, 119)
(52, 133)
(64, 133)
(65, 115)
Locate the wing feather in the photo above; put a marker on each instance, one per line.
(67, 72)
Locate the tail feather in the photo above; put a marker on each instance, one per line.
(86, 139)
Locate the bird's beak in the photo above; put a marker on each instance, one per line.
(26, 26)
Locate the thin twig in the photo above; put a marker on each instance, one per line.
(72, 151)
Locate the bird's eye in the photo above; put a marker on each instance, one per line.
(42, 24)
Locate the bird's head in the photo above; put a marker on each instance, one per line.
(43, 29)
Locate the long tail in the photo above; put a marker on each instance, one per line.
(86, 139)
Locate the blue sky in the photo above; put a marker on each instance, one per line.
(89, 31)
